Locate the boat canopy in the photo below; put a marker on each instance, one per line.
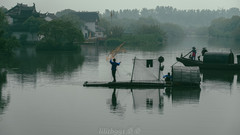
(182, 75)
(218, 58)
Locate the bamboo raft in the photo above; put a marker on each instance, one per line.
(133, 84)
(183, 76)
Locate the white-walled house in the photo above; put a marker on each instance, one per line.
(90, 29)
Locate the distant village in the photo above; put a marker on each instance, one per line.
(17, 15)
(157, 26)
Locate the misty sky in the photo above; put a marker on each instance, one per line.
(100, 5)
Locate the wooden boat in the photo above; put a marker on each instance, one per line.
(189, 62)
(215, 61)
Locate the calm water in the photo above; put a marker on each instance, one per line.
(44, 95)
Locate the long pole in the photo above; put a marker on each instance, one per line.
(133, 69)
(187, 54)
(183, 57)
(159, 72)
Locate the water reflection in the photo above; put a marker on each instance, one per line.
(152, 100)
(184, 95)
(238, 77)
(148, 99)
(222, 76)
(91, 52)
(4, 97)
(114, 100)
(26, 64)
(115, 105)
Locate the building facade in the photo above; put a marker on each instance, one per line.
(90, 30)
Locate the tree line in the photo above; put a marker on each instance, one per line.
(225, 27)
(167, 14)
(139, 27)
(143, 31)
(7, 42)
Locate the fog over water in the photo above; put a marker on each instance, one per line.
(43, 95)
(42, 92)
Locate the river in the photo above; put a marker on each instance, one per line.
(44, 95)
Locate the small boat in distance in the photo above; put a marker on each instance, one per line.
(214, 61)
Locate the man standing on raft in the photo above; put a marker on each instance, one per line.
(114, 68)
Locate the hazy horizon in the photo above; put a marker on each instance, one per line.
(101, 5)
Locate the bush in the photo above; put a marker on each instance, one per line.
(113, 41)
(60, 35)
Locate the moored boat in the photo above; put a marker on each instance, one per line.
(213, 60)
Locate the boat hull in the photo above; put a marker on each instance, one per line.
(188, 62)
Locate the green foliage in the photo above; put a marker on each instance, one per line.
(23, 39)
(172, 30)
(144, 31)
(144, 39)
(11, 44)
(150, 34)
(222, 27)
(7, 43)
(3, 9)
(197, 31)
(59, 35)
(115, 32)
(64, 12)
(166, 14)
(74, 19)
(236, 33)
(3, 21)
(104, 23)
(147, 21)
(149, 29)
(33, 24)
(2, 40)
(3, 78)
(113, 41)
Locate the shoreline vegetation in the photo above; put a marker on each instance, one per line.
(59, 35)
(144, 27)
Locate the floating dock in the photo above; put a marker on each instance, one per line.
(133, 84)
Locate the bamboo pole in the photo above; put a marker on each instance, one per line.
(133, 68)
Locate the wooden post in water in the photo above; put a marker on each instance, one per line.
(133, 68)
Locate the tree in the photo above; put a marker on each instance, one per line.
(223, 27)
(74, 19)
(7, 43)
(3, 20)
(236, 33)
(59, 35)
(33, 24)
(64, 12)
(3, 9)
(115, 32)
(172, 30)
(104, 23)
